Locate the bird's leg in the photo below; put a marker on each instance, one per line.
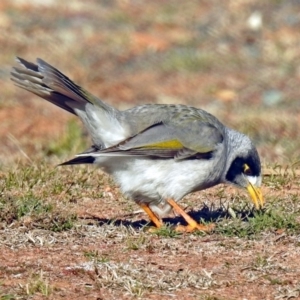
(192, 224)
(158, 223)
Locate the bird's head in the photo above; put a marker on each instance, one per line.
(244, 168)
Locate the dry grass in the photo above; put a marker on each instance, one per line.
(98, 243)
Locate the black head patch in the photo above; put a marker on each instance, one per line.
(249, 165)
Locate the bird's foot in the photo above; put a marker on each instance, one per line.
(152, 229)
(194, 227)
(157, 222)
(192, 224)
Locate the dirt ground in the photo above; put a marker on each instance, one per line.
(110, 255)
(235, 59)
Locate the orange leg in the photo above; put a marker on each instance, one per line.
(158, 223)
(192, 224)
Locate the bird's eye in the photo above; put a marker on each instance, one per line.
(247, 170)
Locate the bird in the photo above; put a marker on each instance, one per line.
(156, 153)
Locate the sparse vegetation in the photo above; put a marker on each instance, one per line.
(26, 199)
(7, 297)
(72, 141)
(37, 284)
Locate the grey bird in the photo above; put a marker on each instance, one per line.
(156, 153)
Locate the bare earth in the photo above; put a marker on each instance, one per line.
(99, 260)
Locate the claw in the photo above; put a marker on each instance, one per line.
(189, 228)
(192, 224)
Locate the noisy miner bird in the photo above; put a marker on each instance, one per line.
(156, 153)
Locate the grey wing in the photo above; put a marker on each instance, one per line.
(194, 139)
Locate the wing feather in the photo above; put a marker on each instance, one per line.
(168, 140)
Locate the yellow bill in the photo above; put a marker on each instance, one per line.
(256, 196)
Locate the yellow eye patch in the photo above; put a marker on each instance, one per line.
(247, 169)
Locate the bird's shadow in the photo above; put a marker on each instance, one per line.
(205, 214)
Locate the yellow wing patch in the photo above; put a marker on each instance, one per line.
(171, 144)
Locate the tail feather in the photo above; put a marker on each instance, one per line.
(60, 83)
(101, 120)
(31, 78)
(28, 65)
(49, 83)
